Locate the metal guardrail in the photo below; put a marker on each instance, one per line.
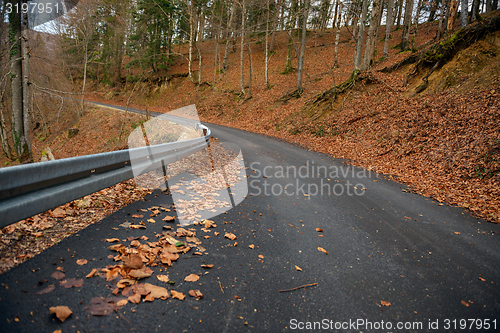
(30, 189)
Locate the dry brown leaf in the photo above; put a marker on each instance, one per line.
(112, 240)
(385, 303)
(229, 235)
(58, 275)
(163, 278)
(81, 262)
(178, 295)
(322, 250)
(319, 230)
(62, 312)
(125, 283)
(137, 216)
(122, 302)
(298, 268)
(196, 293)
(133, 261)
(207, 266)
(47, 290)
(135, 298)
(251, 246)
(192, 278)
(482, 279)
(261, 256)
(151, 220)
(456, 232)
(156, 291)
(92, 273)
(58, 212)
(168, 218)
(137, 226)
(142, 273)
(70, 283)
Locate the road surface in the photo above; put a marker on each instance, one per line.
(396, 261)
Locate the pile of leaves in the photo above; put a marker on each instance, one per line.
(23, 240)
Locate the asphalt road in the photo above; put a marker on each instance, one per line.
(395, 259)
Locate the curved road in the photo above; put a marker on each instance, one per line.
(396, 261)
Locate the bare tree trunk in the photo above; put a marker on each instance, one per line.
(452, 14)
(300, 73)
(405, 37)
(26, 83)
(250, 69)
(243, 14)
(432, 13)
(266, 59)
(228, 41)
(198, 44)
(361, 35)
(82, 106)
(475, 10)
(388, 26)
(372, 36)
(337, 37)
(275, 24)
(464, 11)
(400, 13)
(417, 17)
(191, 39)
(16, 73)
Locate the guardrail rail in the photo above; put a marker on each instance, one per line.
(30, 189)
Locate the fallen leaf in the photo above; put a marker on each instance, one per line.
(163, 278)
(261, 256)
(196, 293)
(209, 224)
(92, 273)
(156, 291)
(141, 273)
(207, 266)
(125, 283)
(251, 246)
(465, 303)
(137, 226)
(192, 278)
(151, 220)
(81, 262)
(47, 290)
(122, 302)
(480, 278)
(62, 312)
(385, 303)
(135, 298)
(58, 212)
(168, 218)
(100, 307)
(112, 240)
(298, 268)
(456, 232)
(322, 250)
(137, 216)
(70, 283)
(58, 275)
(133, 261)
(319, 230)
(229, 235)
(178, 295)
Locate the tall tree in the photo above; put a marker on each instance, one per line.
(405, 35)
(361, 34)
(337, 37)
(305, 15)
(388, 26)
(19, 114)
(464, 11)
(371, 41)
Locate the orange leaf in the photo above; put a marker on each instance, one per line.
(192, 278)
(465, 303)
(62, 312)
(196, 293)
(163, 278)
(178, 295)
(251, 246)
(261, 256)
(298, 268)
(207, 266)
(112, 240)
(322, 250)
(229, 235)
(319, 230)
(385, 303)
(92, 273)
(156, 291)
(480, 278)
(81, 262)
(135, 298)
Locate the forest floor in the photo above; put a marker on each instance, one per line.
(443, 143)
